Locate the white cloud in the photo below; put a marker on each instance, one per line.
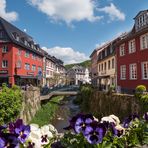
(100, 44)
(67, 54)
(67, 10)
(113, 12)
(9, 16)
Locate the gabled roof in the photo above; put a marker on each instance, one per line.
(142, 11)
(11, 30)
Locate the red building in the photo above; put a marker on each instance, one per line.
(21, 60)
(132, 55)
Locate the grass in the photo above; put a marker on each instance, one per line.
(47, 112)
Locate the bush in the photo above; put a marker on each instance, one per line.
(144, 98)
(10, 103)
(140, 89)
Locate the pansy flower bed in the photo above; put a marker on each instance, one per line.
(84, 131)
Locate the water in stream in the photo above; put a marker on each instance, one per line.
(66, 110)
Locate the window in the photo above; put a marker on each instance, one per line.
(102, 66)
(34, 56)
(113, 63)
(145, 70)
(133, 71)
(4, 49)
(27, 66)
(131, 46)
(123, 72)
(27, 54)
(47, 72)
(1, 33)
(99, 67)
(105, 66)
(19, 51)
(122, 50)
(105, 52)
(141, 21)
(109, 64)
(4, 64)
(33, 67)
(144, 41)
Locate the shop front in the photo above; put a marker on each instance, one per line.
(4, 78)
(28, 79)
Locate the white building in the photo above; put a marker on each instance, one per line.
(78, 75)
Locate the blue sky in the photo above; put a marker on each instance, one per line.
(71, 29)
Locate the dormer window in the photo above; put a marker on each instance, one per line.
(141, 20)
(1, 33)
(25, 42)
(15, 36)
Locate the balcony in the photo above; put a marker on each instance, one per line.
(103, 72)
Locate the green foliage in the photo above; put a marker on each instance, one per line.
(144, 98)
(10, 103)
(47, 112)
(83, 99)
(85, 64)
(140, 89)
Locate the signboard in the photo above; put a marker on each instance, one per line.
(39, 75)
(30, 73)
(3, 71)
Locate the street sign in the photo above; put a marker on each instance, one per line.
(39, 75)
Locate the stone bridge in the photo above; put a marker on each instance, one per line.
(58, 93)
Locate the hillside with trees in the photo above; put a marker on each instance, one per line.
(85, 64)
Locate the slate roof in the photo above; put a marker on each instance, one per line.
(140, 13)
(11, 31)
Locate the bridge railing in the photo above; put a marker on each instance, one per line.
(46, 90)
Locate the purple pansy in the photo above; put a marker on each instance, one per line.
(9, 140)
(79, 122)
(21, 130)
(116, 130)
(2, 142)
(128, 119)
(95, 132)
(82, 122)
(145, 116)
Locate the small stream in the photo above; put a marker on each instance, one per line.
(65, 112)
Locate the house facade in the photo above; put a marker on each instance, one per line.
(78, 75)
(21, 60)
(107, 66)
(132, 56)
(94, 67)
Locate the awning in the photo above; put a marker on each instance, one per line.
(26, 77)
(4, 76)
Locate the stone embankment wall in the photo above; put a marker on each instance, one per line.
(31, 103)
(122, 105)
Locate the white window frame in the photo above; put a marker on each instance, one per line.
(27, 66)
(33, 67)
(123, 72)
(133, 71)
(122, 50)
(144, 77)
(144, 43)
(27, 54)
(5, 48)
(132, 46)
(4, 64)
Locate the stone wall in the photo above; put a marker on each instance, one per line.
(102, 104)
(31, 103)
